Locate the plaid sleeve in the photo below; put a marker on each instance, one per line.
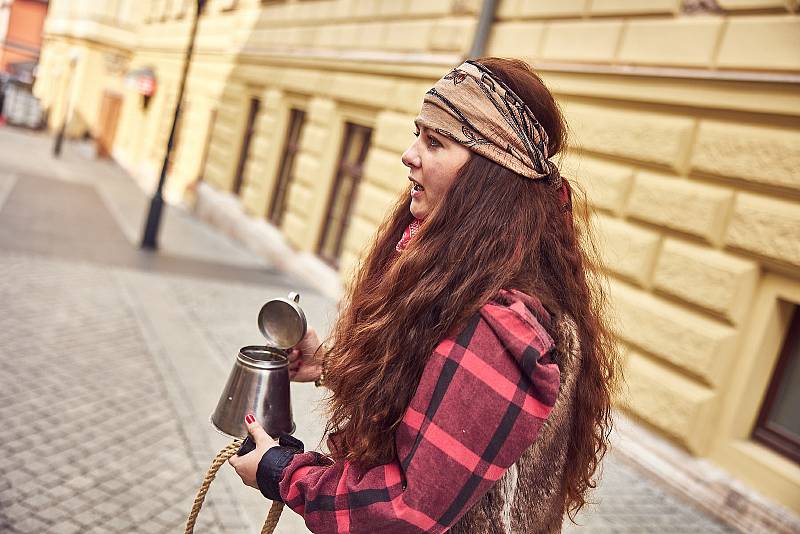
(480, 403)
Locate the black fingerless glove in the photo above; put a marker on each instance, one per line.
(272, 464)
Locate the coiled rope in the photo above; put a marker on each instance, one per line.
(274, 512)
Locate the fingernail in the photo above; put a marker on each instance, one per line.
(300, 363)
(249, 419)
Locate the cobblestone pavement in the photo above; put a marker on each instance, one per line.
(89, 428)
(111, 360)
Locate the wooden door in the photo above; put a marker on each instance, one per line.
(109, 116)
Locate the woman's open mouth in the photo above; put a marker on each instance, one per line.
(416, 188)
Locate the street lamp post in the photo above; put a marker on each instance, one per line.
(150, 237)
(74, 56)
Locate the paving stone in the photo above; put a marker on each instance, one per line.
(119, 524)
(31, 524)
(80, 483)
(108, 508)
(52, 514)
(171, 516)
(87, 518)
(65, 527)
(60, 492)
(17, 477)
(75, 503)
(113, 485)
(16, 512)
(37, 500)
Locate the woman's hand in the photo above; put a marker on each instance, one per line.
(246, 466)
(305, 358)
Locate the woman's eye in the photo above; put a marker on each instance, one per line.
(433, 141)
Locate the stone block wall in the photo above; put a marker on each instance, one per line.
(742, 35)
(690, 209)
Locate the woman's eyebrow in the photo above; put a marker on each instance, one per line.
(423, 128)
(420, 126)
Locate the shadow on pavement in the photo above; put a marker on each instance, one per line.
(70, 221)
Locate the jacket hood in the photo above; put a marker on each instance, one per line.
(522, 325)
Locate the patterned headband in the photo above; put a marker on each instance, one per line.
(474, 108)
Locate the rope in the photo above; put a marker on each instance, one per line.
(272, 517)
(274, 512)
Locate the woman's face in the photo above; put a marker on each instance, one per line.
(433, 161)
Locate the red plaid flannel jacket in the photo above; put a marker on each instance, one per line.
(480, 404)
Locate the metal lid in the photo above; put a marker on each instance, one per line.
(282, 322)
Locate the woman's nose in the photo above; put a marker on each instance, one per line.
(410, 157)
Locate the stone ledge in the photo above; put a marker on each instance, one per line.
(224, 211)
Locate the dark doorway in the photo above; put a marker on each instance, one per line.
(292, 146)
(255, 104)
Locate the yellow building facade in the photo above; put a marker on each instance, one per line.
(685, 133)
(86, 50)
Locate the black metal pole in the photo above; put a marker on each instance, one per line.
(62, 130)
(484, 27)
(150, 237)
(59, 139)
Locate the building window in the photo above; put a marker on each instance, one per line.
(778, 424)
(348, 176)
(255, 104)
(212, 119)
(290, 149)
(180, 8)
(165, 8)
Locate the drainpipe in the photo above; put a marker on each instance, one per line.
(482, 31)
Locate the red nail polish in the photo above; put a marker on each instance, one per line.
(300, 363)
(249, 419)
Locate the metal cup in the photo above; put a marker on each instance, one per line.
(259, 380)
(258, 384)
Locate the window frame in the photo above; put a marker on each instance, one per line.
(253, 110)
(764, 431)
(212, 120)
(291, 147)
(356, 171)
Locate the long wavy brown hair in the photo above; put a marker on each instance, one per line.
(493, 229)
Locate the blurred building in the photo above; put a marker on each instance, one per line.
(86, 54)
(21, 24)
(685, 131)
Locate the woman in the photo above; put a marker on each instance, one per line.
(471, 371)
